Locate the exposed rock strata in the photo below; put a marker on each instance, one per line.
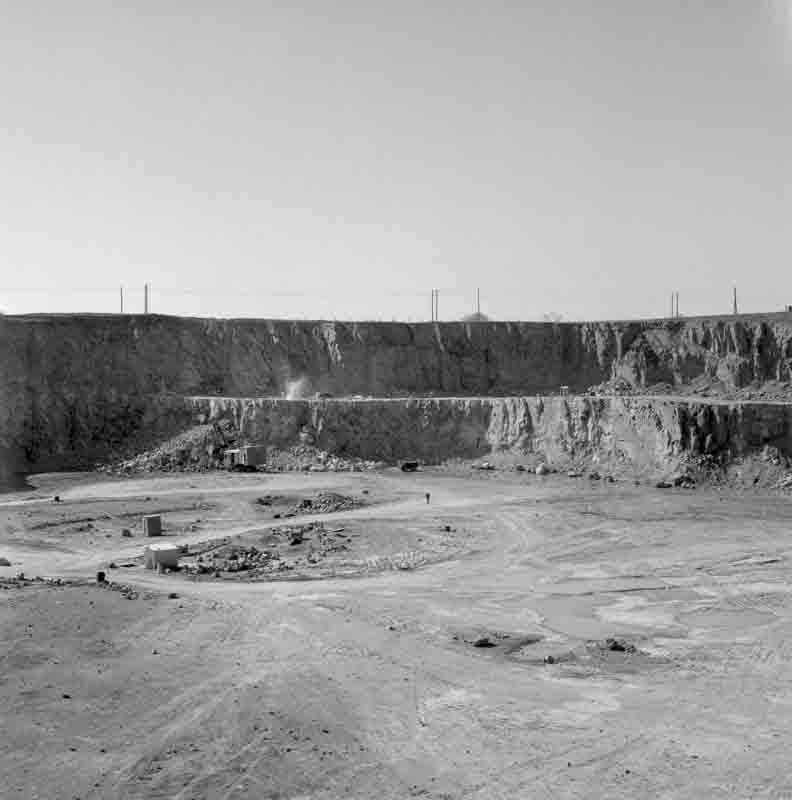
(651, 433)
(75, 388)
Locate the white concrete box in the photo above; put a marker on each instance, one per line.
(161, 555)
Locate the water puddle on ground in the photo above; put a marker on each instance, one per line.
(453, 698)
(732, 619)
(589, 703)
(636, 611)
(589, 571)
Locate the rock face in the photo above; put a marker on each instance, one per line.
(76, 388)
(643, 431)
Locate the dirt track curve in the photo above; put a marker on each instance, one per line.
(372, 686)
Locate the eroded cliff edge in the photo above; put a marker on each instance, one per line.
(74, 389)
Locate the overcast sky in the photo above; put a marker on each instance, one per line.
(339, 160)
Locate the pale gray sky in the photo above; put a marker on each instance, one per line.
(340, 160)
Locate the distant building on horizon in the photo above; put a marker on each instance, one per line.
(476, 316)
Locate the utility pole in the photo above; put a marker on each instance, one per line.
(672, 304)
(145, 299)
(478, 301)
(735, 300)
(121, 294)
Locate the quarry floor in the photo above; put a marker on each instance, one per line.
(371, 686)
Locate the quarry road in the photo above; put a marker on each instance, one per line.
(486, 675)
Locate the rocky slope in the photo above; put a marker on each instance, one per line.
(74, 389)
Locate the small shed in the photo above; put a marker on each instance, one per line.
(161, 556)
(231, 457)
(152, 525)
(250, 455)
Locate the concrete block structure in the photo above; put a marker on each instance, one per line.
(250, 455)
(152, 525)
(161, 556)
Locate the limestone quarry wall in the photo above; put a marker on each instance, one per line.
(75, 388)
(645, 432)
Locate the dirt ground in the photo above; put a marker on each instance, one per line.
(516, 637)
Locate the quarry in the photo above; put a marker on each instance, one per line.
(217, 582)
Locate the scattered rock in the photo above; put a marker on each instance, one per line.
(573, 473)
(4, 562)
(662, 485)
(784, 483)
(112, 565)
(173, 596)
(484, 641)
(323, 503)
(270, 499)
(543, 469)
(100, 577)
(57, 498)
(126, 533)
(619, 646)
(595, 476)
(683, 480)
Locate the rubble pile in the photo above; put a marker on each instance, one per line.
(287, 547)
(785, 483)
(307, 458)
(618, 386)
(198, 449)
(201, 448)
(703, 386)
(324, 503)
